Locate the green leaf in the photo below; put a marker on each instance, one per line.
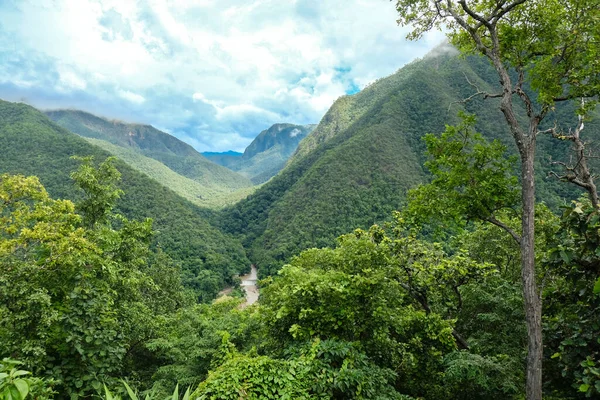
(13, 393)
(107, 394)
(565, 257)
(22, 386)
(597, 287)
(131, 393)
(175, 393)
(584, 388)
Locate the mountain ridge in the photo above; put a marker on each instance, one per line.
(214, 185)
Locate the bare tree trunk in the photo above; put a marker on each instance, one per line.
(526, 144)
(531, 296)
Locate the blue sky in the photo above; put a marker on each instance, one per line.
(212, 72)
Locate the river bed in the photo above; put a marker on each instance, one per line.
(249, 286)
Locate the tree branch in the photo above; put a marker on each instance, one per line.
(524, 96)
(580, 173)
(507, 228)
(482, 20)
(462, 343)
(479, 92)
(506, 10)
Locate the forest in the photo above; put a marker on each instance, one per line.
(480, 278)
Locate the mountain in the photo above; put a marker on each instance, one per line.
(34, 145)
(161, 156)
(267, 154)
(225, 158)
(356, 166)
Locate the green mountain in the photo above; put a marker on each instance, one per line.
(34, 145)
(355, 168)
(225, 158)
(267, 154)
(151, 151)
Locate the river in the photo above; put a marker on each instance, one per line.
(249, 286)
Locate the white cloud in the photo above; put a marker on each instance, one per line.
(242, 110)
(132, 97)
(200, 97)
(184, 64)
(70, 80)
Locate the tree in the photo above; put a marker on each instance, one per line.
(472, 180)
(77, 296)
(554, 45)
(395, 295)
(99, 190)
(324, 370)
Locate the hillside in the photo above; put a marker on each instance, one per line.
(267, 154)
(33, 145)
(135, 143)
(355, 168)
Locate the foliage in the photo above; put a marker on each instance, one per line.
(131, 394)
(556, 67)
(188, 344)
(469, 376)
(100, 193)
(395, 295)
(490, 243)
(83, 302)
(551, 46)
(17, 384)
(572, 303)
(472, 179)
(323, 370)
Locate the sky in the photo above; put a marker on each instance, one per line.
(213, 73)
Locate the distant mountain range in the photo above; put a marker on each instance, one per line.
(224, 158)
(161, 156)
(267, 154)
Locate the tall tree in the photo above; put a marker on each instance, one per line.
(553, 45)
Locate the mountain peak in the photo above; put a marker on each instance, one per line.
(283, 135)
(267, 154)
